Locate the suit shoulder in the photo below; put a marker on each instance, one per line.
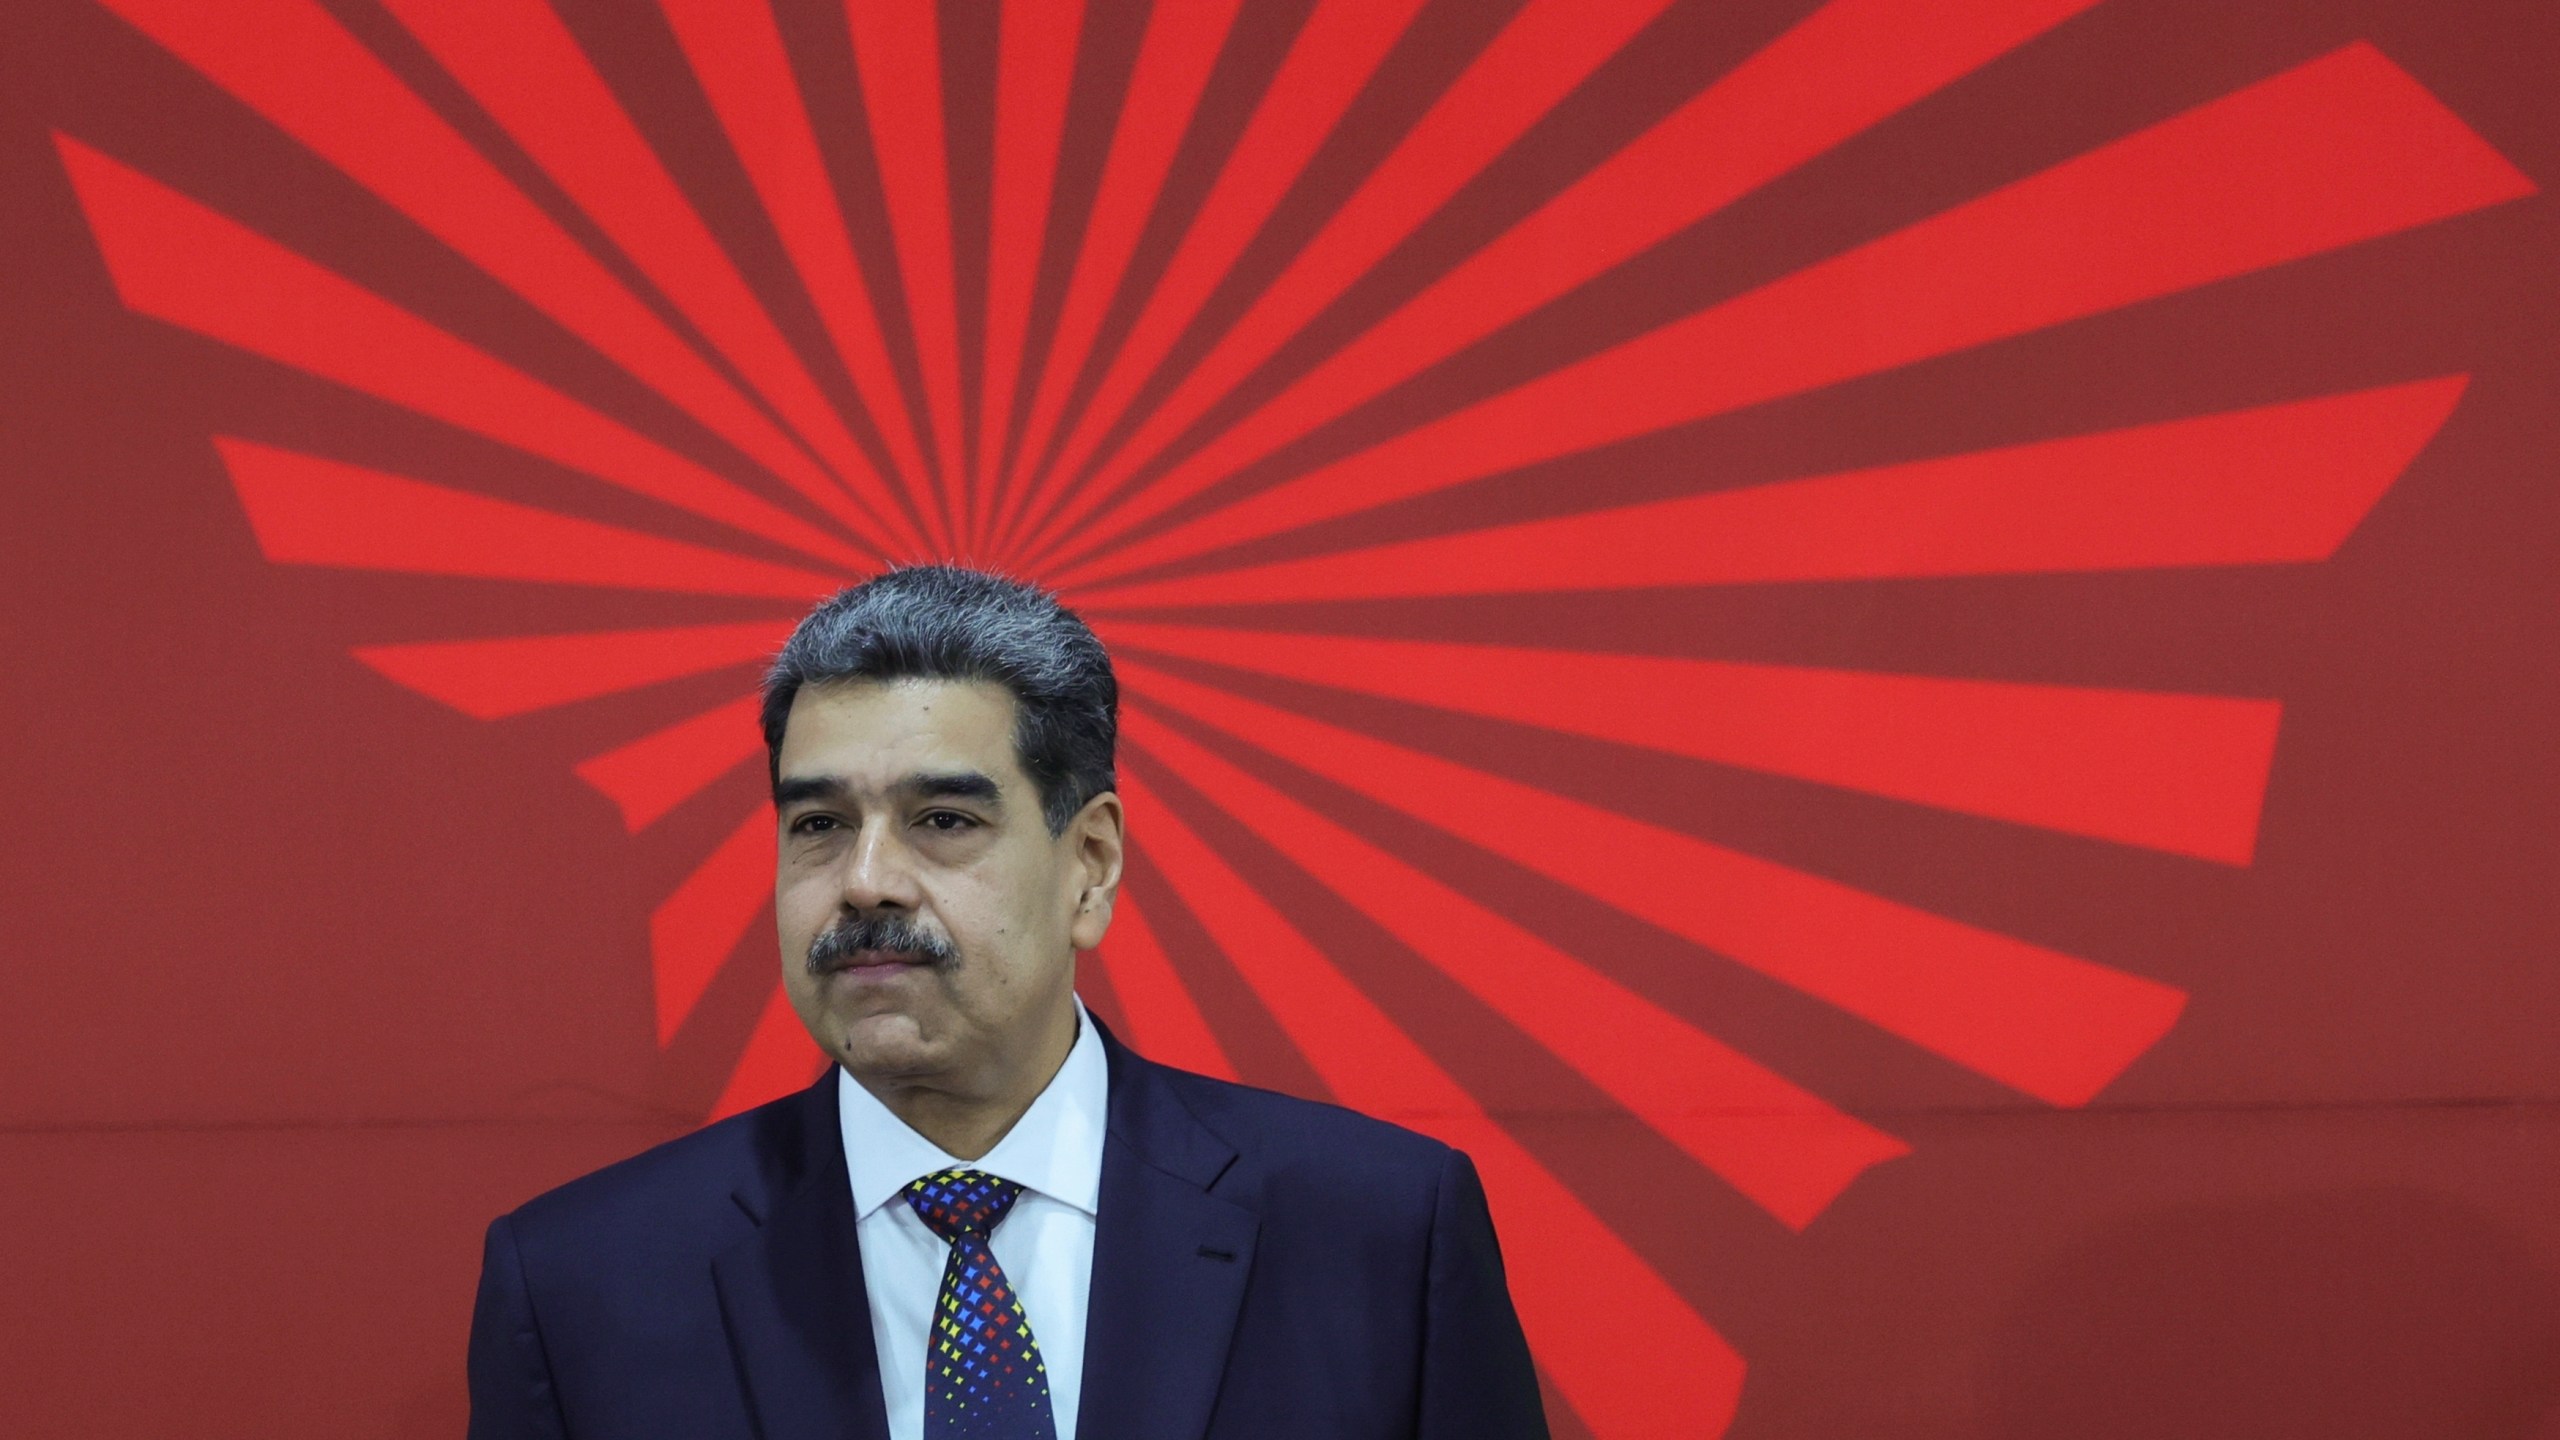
(1281, 1128)
(669, 1183)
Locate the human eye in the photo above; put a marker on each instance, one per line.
(949, 822)
(813, 824)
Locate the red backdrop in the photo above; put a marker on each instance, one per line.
(1896, 654)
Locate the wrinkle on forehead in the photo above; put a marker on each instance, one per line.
(879, 738)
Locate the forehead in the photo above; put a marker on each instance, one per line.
(878, 732)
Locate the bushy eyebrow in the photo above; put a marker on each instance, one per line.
(955, 785)
(808, 787)
(936, 785)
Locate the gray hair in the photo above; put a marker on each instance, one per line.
(945, 622)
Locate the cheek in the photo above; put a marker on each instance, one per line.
(1012, 919)
(801, 909)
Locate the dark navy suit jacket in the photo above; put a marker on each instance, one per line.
(1262, 1267)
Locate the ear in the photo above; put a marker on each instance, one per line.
(1099, 834)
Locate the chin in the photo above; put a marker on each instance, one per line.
(886, 1047)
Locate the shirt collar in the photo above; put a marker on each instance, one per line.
(1055, 1148)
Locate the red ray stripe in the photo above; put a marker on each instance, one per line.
(2342, 149)
(2276, 484)
(778, 1060)
(661, 770)
(1838, 72)
(737, 53)
(1035, 70)
(1165, 1023)
(2051, 1025)
(177, 261)
(1546, 50)
(522, 66)
(510, 675)
(692, 931)
(1579, 1286)
(310, 511)
(1174, 59)
(365, 122)
(1787, 1149)
(897, 49)
(2181, 773)
(1335, 53)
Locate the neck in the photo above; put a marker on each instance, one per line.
(966, 1122)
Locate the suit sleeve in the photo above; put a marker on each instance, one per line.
(511, 1392)
(1478, 1382)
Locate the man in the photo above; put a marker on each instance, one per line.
(989, 1218)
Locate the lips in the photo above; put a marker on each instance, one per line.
(877, 962)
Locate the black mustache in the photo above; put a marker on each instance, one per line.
(891, 934)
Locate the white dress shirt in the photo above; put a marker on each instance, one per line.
(1045, 1244)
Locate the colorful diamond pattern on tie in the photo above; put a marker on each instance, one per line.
(983, 1375)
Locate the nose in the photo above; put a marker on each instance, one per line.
(879, 873)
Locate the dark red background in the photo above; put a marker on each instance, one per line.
(307, 976)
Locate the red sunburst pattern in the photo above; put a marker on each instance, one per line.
(1184, 405)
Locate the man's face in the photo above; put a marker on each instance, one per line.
(929, 919)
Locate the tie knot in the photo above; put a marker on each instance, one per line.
(954, 1203)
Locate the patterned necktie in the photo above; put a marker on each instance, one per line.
(982, 1376)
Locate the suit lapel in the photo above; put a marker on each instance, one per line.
(1170, 1262)
(792, 1293)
